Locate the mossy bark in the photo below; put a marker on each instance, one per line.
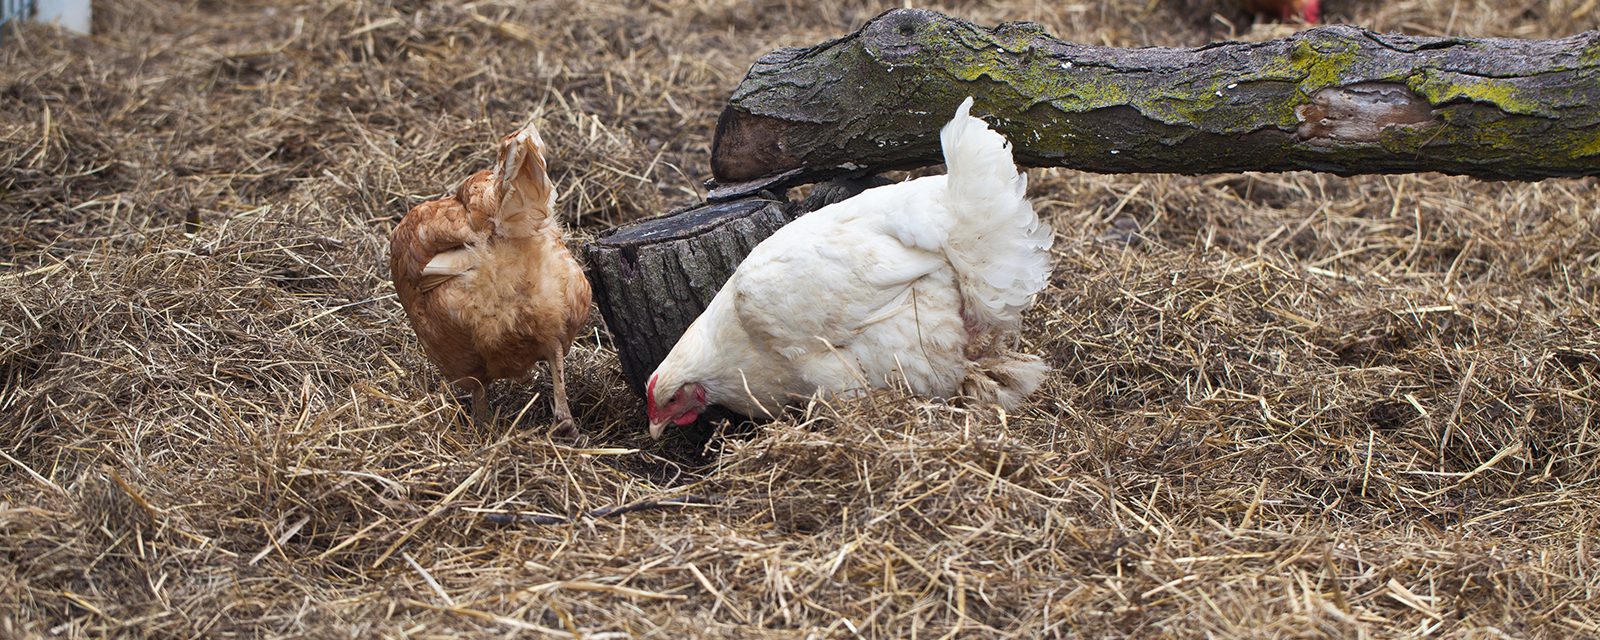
(1336, 99)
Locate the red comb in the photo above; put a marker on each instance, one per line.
(650, 399)
(1312, 11)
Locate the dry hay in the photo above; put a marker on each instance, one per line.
(1284, 405)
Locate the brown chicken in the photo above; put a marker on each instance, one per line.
(486, 280)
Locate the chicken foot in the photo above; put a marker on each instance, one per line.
(565, 426)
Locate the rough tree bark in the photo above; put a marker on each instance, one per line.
(1335, 99)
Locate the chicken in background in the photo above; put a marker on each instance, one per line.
(487, 281)
(1271, 18)
(921, 283)
(1308, 11)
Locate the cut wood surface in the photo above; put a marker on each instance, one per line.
(1337, 99)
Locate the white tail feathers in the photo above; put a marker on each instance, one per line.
(522, 181)
(1000, 249)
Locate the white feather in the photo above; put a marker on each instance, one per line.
(1000, 248)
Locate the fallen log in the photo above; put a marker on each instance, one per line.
(1335, 99)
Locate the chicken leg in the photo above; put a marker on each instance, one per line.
(480, 400)
(564, 427)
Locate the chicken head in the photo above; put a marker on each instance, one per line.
(680, 407)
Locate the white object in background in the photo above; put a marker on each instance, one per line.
(70, 14)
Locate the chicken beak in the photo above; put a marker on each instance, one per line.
(656, 428)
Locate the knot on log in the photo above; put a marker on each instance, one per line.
(894, 36)
(1360, 112)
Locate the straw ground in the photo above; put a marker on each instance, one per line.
(1283, 405)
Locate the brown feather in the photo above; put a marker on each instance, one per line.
(523, 300)
(431, 282)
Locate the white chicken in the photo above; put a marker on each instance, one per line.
(921, 283)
